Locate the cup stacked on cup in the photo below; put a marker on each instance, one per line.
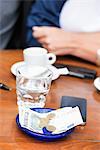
(33, 79)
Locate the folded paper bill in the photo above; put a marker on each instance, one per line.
(56, 121)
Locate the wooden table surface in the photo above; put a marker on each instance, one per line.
(83, 138)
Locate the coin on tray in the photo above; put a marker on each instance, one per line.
(51, 128)
(50, 116)
(43, 122)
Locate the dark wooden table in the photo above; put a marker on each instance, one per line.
(83, 138)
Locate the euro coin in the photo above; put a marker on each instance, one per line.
(51, 128)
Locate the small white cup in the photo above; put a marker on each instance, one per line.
(37, 56)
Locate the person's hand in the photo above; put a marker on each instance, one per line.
(54, 39)
(60, 42)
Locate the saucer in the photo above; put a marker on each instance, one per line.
(51, 67)
(97, 83)
(46, 136)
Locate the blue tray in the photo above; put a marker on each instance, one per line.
(46, 136)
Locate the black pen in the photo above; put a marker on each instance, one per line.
(79, 75)
(5, 87)
(79, 72)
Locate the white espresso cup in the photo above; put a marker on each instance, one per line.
(37, 56)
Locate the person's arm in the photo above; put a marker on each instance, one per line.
(56, 40)
(87, 45)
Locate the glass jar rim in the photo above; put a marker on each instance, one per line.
(26, 72)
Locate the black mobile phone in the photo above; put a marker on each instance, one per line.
(69, 101)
